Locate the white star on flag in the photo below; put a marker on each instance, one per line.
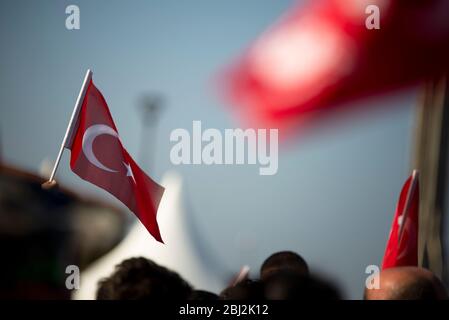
(129, 172)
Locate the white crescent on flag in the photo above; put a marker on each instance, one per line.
(88, 139)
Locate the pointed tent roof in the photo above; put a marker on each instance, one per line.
(179, 253)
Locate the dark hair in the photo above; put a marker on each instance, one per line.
(284, 261)
(418, 289)
(244, 290)
(293, 286)
(201, 295)
(142, 279)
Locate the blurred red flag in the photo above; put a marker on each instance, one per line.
(402, 246)
(321, 54)
(98, 156)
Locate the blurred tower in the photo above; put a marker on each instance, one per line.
(151, 106)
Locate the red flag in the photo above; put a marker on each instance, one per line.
(402, 246)
(98, 156)
(321, 54)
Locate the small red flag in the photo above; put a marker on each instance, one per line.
(402, 246)
(98, 156)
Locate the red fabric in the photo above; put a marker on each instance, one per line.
(402, 247)
(322, 54)
(98, 156)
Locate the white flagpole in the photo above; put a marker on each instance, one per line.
(70, 128)
(243, 274)
(408, 201)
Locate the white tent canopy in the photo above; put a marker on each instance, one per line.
(179, 252)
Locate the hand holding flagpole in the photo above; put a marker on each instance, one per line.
(68, 137)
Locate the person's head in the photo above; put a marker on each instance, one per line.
(201, 295)
(142, 279)
(293, 286)
(244, 290)
(407, 283)
(284, 261)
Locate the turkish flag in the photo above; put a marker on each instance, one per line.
(324, 53)
(402, 246)
(98, 156)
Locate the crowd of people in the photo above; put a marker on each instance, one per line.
(284, 275)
